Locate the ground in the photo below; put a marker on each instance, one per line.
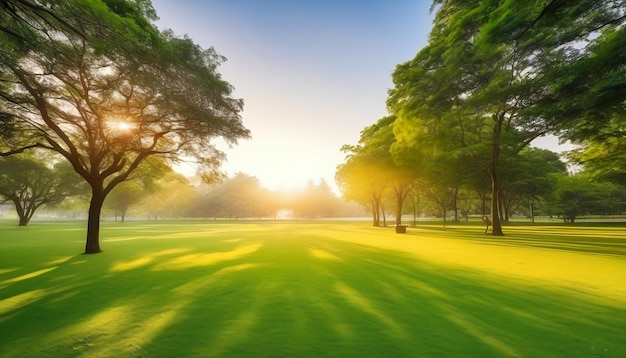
(312, 289)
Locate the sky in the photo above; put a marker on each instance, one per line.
(312, 74)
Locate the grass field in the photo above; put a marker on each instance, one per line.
(311, 289)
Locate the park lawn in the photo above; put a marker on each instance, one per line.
(311, 289)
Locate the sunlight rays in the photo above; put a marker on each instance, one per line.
(206, 281)
(361, 302)
(18, 301)
(311, 288)
(473, 329)
(236, 332)
(144, 260)
(127, 327)
(324, 255)
(27, 276)
(208, 259)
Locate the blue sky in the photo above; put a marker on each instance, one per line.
(312, 74)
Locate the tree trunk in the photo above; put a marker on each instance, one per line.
(23, 220)
(501, 204)
(444, 217)
(483, 198)
(399, 205)
(456, 204)
(19, 209)
(414, 202)
(496, 226)
(92, 245)
(375, 213)
(508, 207)
(382, 209)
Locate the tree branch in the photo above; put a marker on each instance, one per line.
(23, 149)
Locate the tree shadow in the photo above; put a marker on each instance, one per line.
(603, 241)
(273, 294)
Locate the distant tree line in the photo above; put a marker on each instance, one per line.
(156, 192)
(239, 197)
(243, 197)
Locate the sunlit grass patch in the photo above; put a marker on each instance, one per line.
(207, 259)
(275, 289)
(11, 303)
(321, 254)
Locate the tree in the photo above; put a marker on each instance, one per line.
(170, 197)
(315, 201)
(124, 196)
(440, 157)
(528, 175)
(29, 184)
(370, 169)
(361, 181)
(145, 180)
(578, 195)
(108, 91)
(380, 139)
(500, 61)
(603, 157)
(235, 198)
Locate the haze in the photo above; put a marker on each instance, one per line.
(312, 74)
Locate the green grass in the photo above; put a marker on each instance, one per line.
(311, 289)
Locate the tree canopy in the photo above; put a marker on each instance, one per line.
(32, 180)
(97, 82)
(498, 74)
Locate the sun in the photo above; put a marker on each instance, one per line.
(120, 126)
(123, 126)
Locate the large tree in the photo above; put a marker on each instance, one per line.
(510, 65)
(104, 88)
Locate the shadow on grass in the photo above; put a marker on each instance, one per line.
(268, 292)
(598, 240)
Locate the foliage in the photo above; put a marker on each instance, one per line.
(528, 176)
(96, 82)
(27, 182)
(370, 170)
(124, 196)
(243, 197)
(315, 201)
(605, 156)
(498, 74)
(578, 195)
(171, 197)
(148, 178)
